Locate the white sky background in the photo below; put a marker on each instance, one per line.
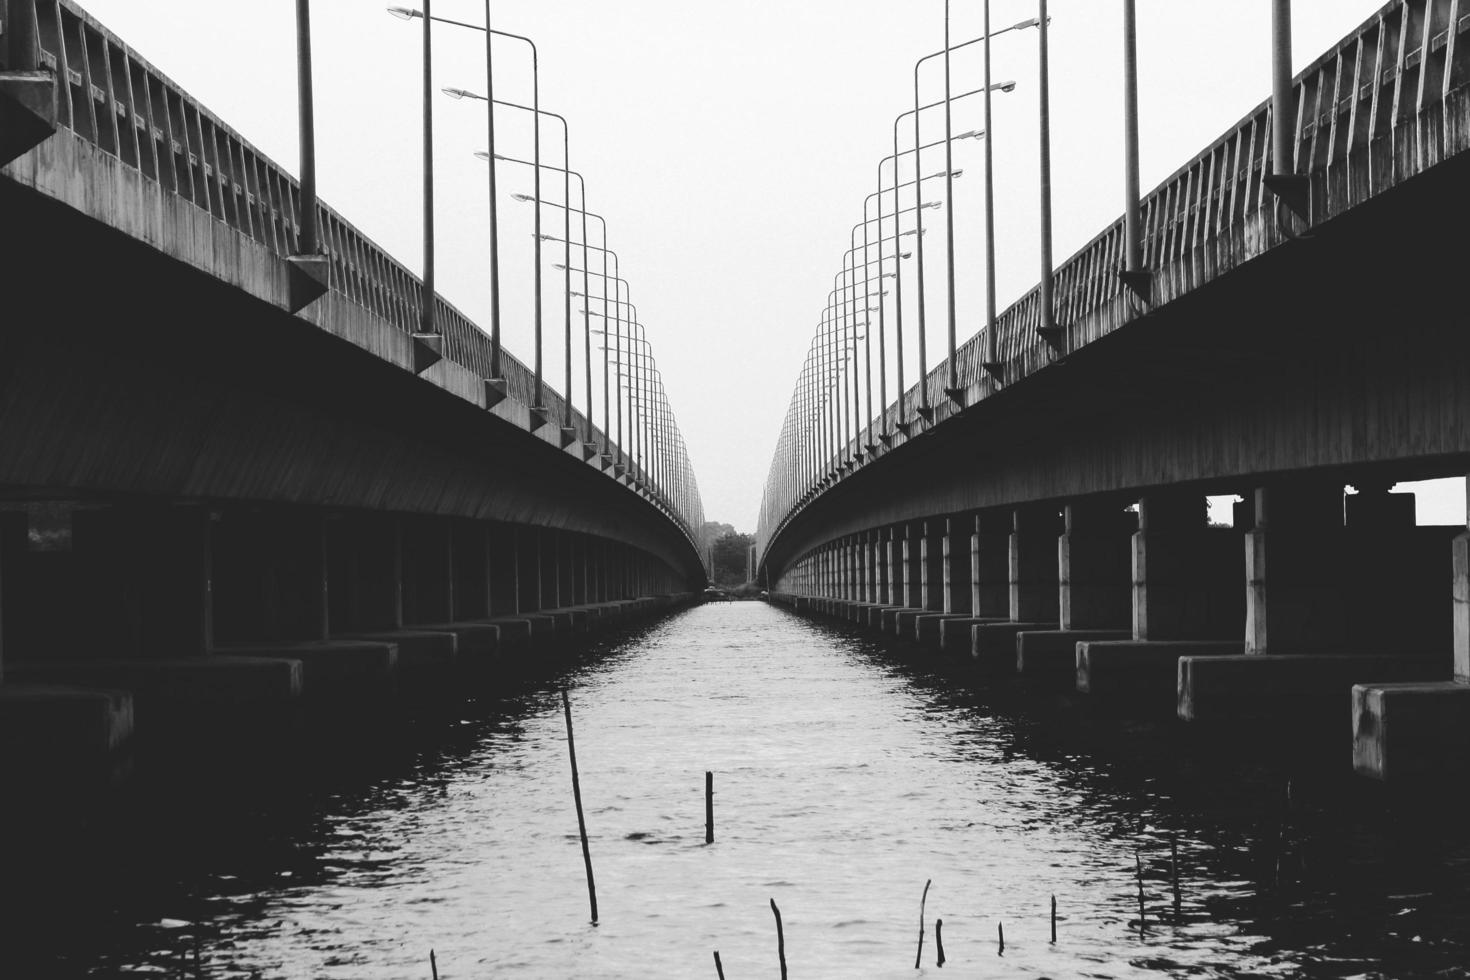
(730, 146)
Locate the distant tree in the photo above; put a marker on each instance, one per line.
(728, 558)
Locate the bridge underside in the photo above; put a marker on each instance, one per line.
(1002, 536)
(214, 514)
(1342, 354)
(124, 372)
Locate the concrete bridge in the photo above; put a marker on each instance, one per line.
(1042, 510)
(238, 477)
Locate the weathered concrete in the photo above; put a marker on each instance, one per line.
(954, 634)
(927, 628)
(903, 623)
(1412, 732)
(1186, 575)
(216, 679)
(990, 572)
(425, 655)
(1142, 669)
(1289, 687)
(1034, 572)
(1094, 559)
(64, 733)
(1051, 655)
(888, 618)
(334, 670)
(475, 641)
(993, 645)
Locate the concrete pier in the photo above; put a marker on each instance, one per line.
(1050, 656)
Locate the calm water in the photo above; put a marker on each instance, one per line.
(845, 776)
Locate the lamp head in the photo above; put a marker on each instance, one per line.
(404, 13)
(1007, 86)
(523, 198)
(455, 93)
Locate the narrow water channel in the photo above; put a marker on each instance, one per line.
(846, 775)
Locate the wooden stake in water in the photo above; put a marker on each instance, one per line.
(709, 807)
(939, 941)
(1000, 932)
(1174, 872)
(780, 939)
(433, 965)
(566, 705)
(1138, 862)
(719, 967)
(919, 956)
(1054, 920)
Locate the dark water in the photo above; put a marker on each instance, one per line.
(845, 777)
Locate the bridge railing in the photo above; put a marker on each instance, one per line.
(114, 99)
(1387, 102)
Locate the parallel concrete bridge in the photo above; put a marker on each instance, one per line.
(238, 476)
(1295, 326)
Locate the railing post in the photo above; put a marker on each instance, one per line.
(22, 45)
(28, 91)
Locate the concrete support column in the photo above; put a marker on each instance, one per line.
(550, 568)
(428, 570)
(913, 590)
(892, 554)
(270, 576)
(12, 545)
(956, 567)
(1462, 606)
(504, 567)
(1186, 574)
(1034, 572)
(566, 561)
(1293, 567)
(990, 565)
(469, 571)
(931, 565)
(365, 569)
(528, 569)
(1094, 559)
(878, 586)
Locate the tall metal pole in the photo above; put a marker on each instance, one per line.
(882, 322)
(1132, 238)
(426, 312)
(566, 266)
(495, 371)
(992, 361)
(537, 400)
(1282, 111)
(586, 315)
(953, 386)
(868, 328)
(897, 277)
(923, 409)
(1048, 325)
(307, 240)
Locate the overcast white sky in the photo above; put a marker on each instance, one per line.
(729, 146)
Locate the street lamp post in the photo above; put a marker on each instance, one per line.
(1047, 324)
(496, 388)
(1134, 276)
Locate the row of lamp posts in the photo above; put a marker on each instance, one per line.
(823, 435)
(634, 401)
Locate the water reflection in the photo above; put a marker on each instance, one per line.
(845, 778)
